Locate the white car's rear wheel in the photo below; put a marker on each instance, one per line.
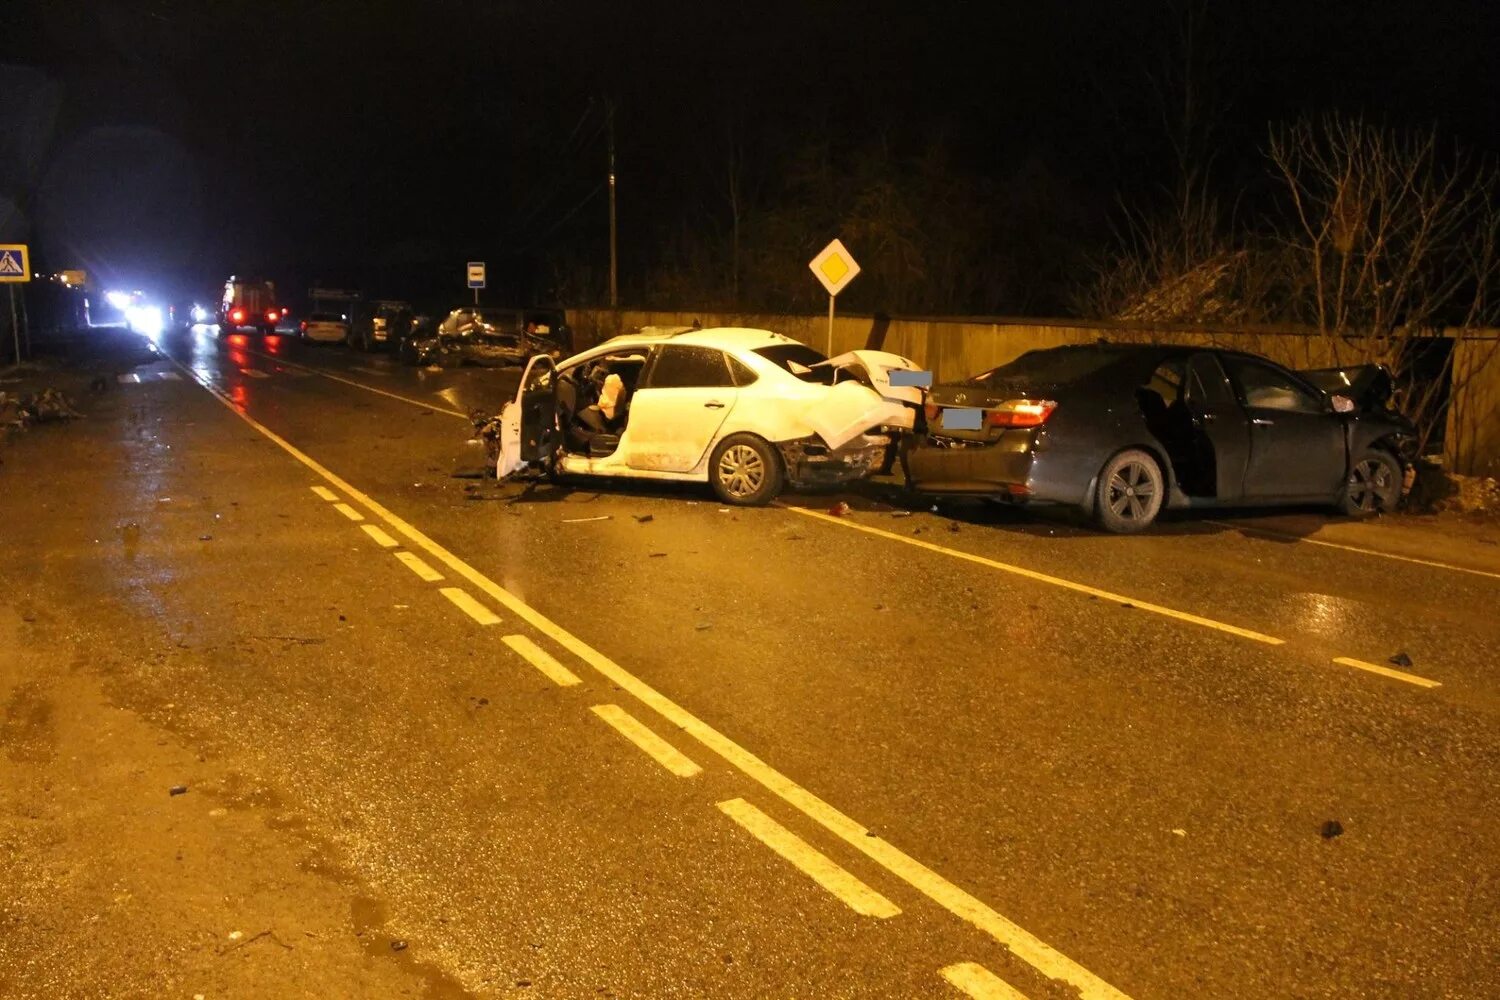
(745, 470)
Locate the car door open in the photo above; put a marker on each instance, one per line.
(528, 424)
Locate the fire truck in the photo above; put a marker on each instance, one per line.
(249, 302)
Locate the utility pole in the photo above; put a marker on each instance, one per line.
(614, 272)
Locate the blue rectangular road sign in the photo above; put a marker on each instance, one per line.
(14, 266)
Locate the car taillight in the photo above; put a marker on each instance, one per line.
(238, 315)
(1019, 413)
(273, 315)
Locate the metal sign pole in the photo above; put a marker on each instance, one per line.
(829, 352)
(15, 328)
(476, 296)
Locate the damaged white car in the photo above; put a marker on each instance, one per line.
(746, 411)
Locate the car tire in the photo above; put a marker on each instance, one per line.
(1130, 492)
(1373, 486)
(745, 470)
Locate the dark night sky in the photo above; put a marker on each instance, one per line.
(168, 140)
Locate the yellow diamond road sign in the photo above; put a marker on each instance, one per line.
(835, 267)
(13, 263)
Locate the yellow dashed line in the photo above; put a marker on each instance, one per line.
(980, 983)
(809, 860)
(348, 512)
(326, 494)
(1376, 668)
(542, 660)
(381, 538)
(424, 572)
(470, 607)
(657, 748)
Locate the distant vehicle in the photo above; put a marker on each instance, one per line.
(380, 325)
(480, 335)
(324, 328)
(746, 411)
(1122, 431)
(249, 303)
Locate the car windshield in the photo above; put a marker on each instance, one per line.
(798, 359)
(1050, 367)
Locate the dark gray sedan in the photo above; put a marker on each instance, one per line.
(1123, 430)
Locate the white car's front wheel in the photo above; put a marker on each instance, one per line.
(746, 470)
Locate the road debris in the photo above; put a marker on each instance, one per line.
(21, 409)
(584, 520)
(1400, 659)
(658, 555)
(177, 790)
(703, 626)
(1331, 828)
(1179, 832)
(398, 945)
(644, 518)
(841, 509)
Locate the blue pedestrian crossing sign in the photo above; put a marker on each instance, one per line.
(13, 263)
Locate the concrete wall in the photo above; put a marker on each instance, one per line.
(956, 347)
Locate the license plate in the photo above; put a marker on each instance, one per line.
(961, 418)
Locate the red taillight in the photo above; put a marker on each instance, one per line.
(1019, 413)
(238, 315)
(304, 326)
(273, 315)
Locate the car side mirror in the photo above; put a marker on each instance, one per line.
(1342, 404)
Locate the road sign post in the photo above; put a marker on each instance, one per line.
(476, 277)
(15, 268)
(834, 267)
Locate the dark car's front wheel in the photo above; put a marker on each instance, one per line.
(1130, 492)
(1373, 486)
(745, 470)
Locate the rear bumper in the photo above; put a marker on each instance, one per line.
(1010, 468)
(325, 336)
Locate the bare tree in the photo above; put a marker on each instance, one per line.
(1392, 243)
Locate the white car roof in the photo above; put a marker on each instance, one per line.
(739, 338)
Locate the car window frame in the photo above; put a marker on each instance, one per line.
(1318, 397)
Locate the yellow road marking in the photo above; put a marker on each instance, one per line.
(980, 983)
(1026, 946)
(1376, 668)
(542, 660)
(381, 538)
(356, 384)
(1288, 536)
(655, 747)
(1031, 574)
(414, 563)
(809, 860)
(348, 512)
(469, 606)
(326, 494)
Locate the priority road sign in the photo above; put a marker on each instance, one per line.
(476, 274)
(834, 266)
(14, 265)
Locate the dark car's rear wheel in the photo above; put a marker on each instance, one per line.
(745, 470)
(1130, 492)
(1373, 486)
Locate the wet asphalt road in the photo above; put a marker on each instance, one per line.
(1091, 765)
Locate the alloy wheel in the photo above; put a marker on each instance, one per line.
(1372, 488)
(1131, 489)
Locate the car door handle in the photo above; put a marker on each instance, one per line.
(713, 404)
(1261, 421)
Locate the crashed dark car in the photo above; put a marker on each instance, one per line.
(1121, 431)
(477, 335)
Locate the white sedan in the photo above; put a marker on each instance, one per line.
(325, 328)
(746, 411)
